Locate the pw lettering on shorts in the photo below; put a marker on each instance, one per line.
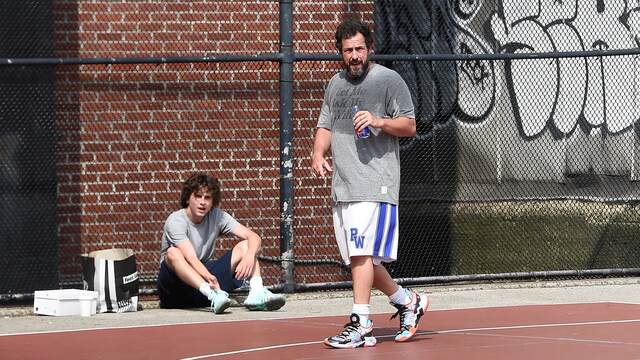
(358, 239)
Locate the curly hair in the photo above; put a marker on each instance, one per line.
(196, 182)
(349, 28)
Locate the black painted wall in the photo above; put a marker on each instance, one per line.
(28, 230)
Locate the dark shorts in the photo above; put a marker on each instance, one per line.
(174, 293)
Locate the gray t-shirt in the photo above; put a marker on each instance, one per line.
(203, 236)
(365, 169)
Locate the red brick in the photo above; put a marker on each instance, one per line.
(123, 7)
(151, 7)
(153, 166)
(174, 8)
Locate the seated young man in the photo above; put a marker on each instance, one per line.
(189, 277)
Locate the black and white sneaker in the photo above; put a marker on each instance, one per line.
(353, 335)
(410, 315)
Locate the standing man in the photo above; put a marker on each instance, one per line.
(189, 277)
(366, 178)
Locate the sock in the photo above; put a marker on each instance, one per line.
(402, 296)
(362, 310)
(256, 282)
(206, 290)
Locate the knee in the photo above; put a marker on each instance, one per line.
(173, 255)
(241, 248)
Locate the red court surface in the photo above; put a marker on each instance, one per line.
(579, 331)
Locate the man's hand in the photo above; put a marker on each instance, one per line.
(244, 269)
(363, 119)
(213, 281)
(320, 165)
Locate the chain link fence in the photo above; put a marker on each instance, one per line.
(525, 162)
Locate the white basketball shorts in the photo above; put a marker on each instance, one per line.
(366, 229)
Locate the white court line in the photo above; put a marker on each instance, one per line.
(534, 326)
(253, 350)
(44, 332)
(546, 338)
(452, 331)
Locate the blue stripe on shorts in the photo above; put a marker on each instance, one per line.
(380, 229)
(391, 231)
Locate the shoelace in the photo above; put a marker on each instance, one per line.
(348, 329)
(403, 311)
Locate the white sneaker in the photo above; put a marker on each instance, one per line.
(353, 335)
(263, 299)
(410, 315)
(219, 301)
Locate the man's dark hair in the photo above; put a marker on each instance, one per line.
(349, 28)
(196, 182)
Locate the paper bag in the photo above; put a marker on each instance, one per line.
(112, 273)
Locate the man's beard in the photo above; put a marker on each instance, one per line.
(357, 74)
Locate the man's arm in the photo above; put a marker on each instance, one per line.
(321, 145)
(190, 256)
(244, 269)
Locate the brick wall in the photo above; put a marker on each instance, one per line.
(129, 134)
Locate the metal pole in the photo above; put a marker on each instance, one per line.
(286, 144)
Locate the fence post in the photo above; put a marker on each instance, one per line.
(286, 143)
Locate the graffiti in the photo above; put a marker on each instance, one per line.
(475, 70)
(594, 90)
(465, 9)
(531, 119)
(477, 89)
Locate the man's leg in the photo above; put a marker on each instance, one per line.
(383, 281)
(359, 331)
(259, 297)
(411, 306)
(353, 228)
(175, 260)
(362, 274)
(178, 283)
(179, 265)
(222, 268)
(238, 253)
(175, 293)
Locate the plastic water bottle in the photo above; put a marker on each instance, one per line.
(364, 133)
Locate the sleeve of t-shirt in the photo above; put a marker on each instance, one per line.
(175, 230)
(399, 101)
(324, 120)
(227, 223)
